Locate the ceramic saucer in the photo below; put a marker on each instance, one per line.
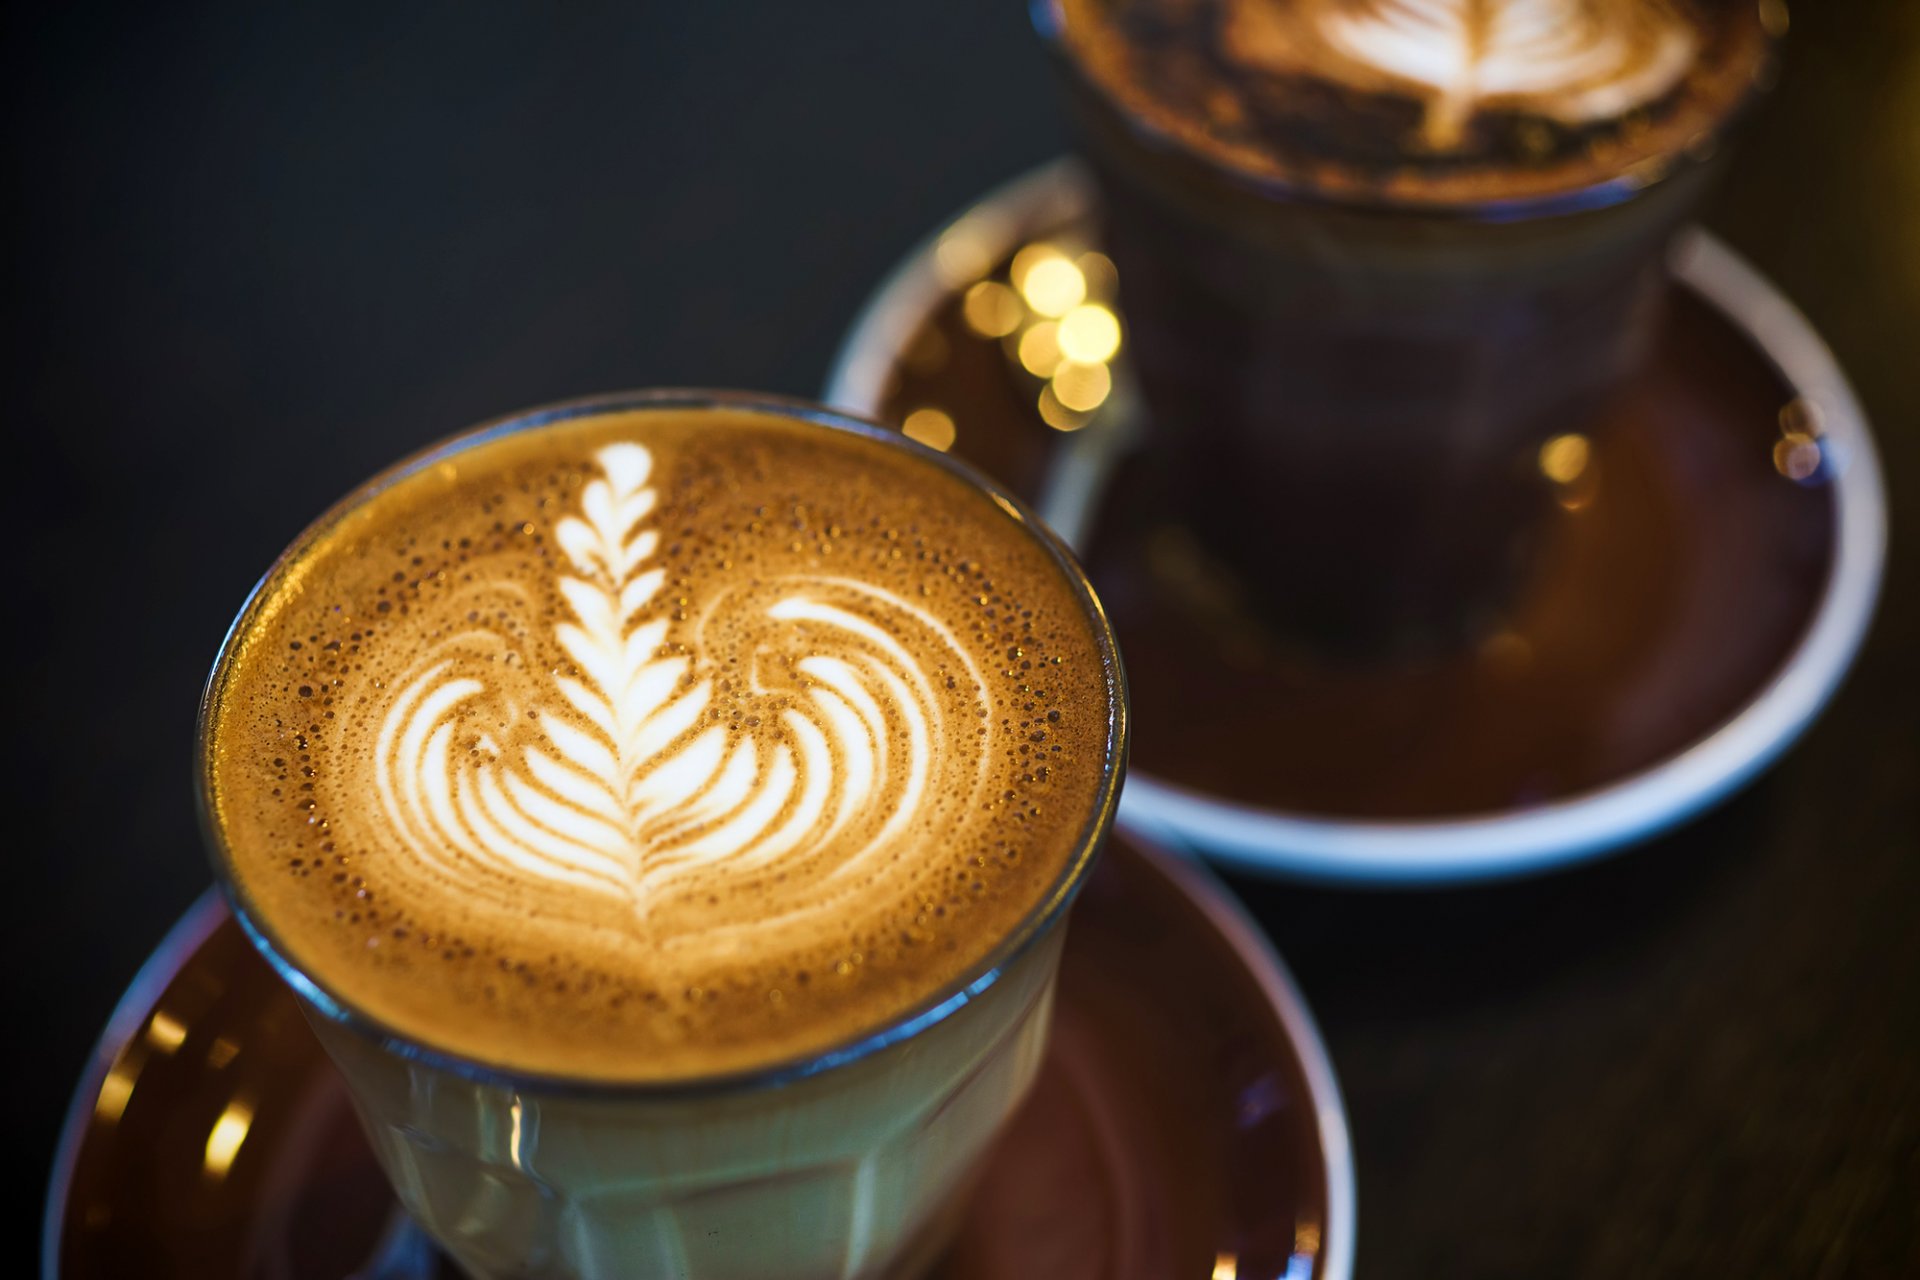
(1710, 573)
(1186, 1121)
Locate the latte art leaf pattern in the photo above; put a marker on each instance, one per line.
(1575, 61)
(659, 758)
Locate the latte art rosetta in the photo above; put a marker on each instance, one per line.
(831, 735)
(648, 742)
(1578, 62)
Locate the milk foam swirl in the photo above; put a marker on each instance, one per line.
(659, 764)
(1577, 62)
(653, 741)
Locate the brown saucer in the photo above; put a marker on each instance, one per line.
(1186, 1121)
(1714, 563)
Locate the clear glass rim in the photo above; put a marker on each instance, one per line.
(1049, 22)
(937, 1007)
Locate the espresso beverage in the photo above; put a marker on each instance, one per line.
(596, 773)
(1375, 254)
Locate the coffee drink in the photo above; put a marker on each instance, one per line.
(1430, 102)
(648, 745)
(1375, 254)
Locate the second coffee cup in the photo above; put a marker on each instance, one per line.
(1376, 260)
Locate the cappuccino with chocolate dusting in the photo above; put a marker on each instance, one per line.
(657, 743)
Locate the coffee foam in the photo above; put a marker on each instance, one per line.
(657, 743)
(1581, 62)
(1414, 96)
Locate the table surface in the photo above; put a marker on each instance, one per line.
(263, 251)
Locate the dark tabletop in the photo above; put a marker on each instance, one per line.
(261, 252)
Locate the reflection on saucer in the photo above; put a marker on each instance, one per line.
(1713, 561)
(1186, 1118)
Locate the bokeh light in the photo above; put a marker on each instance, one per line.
(1040, 349)
(1089, 334)
(1053, 313)
(1564, 458)
(1799, 454)
(930, 427)
(1082, 387)
(1048, 280)
(1103, 280)
(992, 310)
(1059, 416)
(1798, 457)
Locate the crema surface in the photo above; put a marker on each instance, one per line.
(1426, 99)
(657, 743)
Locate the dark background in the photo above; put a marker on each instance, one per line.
(260, 252)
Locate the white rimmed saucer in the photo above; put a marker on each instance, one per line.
(1186, 1111)
(900, 349)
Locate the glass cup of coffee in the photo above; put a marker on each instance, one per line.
(667, 808)
(1377, 256)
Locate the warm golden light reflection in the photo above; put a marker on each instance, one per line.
(1040, 349)
(517, 1134)
(930, 427)
(1048, 280)
(221, 1052)
(115, 1090)
(1057, 415)
(1082, 387)
(992, 310)
(1226, 1266)
(1797, 456)
(228, 1132)
(1564, 458)
(1801, 416)
(1026, 258)
(1056, 318)
(1055, 287)
(165, 1032)
(1089, 334)
(1098, 269)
